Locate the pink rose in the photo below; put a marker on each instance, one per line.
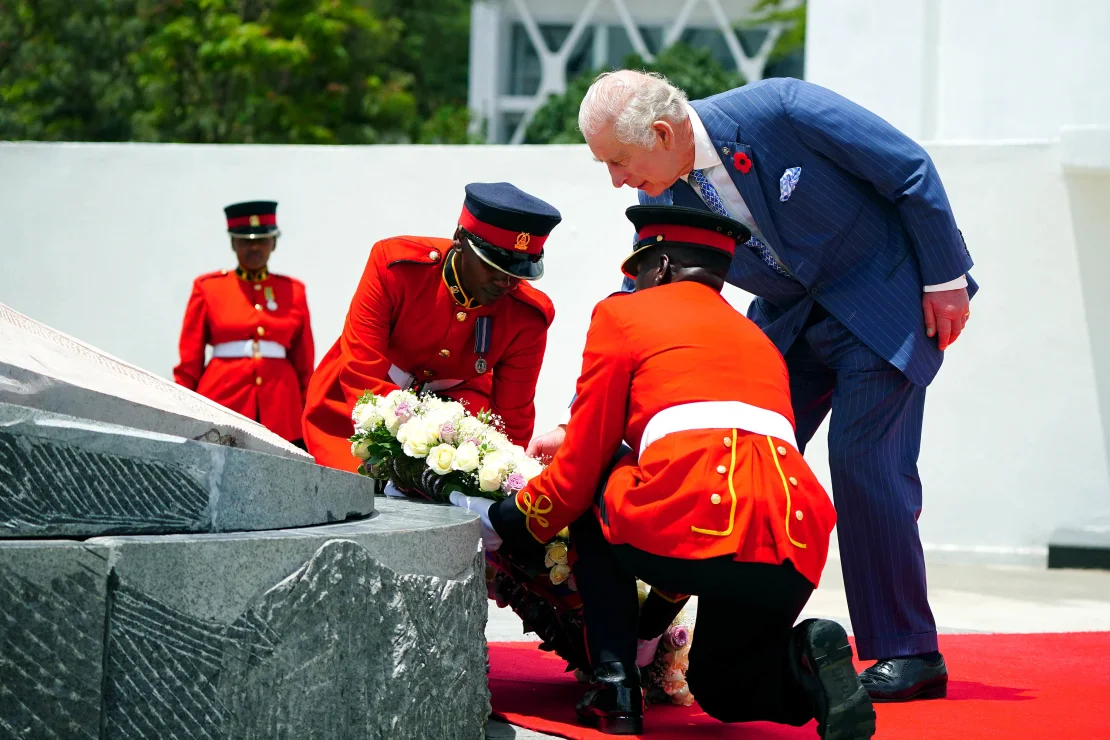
(403, 411)
(677, 636)
(513, 483)
(447, 432)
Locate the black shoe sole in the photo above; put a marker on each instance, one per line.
(934, 692)
(616, 724)
(844, 710)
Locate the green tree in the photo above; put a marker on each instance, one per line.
(693, 70)
(791, 15)
(270, 71)
(265, 71)
(435, 50)
(63, 69)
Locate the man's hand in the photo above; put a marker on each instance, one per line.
(480, 506)
(546, 445)
(946, 314)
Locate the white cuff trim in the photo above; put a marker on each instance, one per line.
(960, 282)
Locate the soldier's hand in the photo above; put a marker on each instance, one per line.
(546, 445)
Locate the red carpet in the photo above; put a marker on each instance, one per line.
(1004, 687)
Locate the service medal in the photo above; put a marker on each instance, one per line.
(272, 305)
(480, 365)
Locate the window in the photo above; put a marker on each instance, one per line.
(620, 46)
(525, 70)
(712, 39)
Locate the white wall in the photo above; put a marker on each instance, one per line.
(103, 241)
(966, 69)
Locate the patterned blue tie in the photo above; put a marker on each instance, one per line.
(713, 200)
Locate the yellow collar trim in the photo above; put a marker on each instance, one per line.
(252, 277)
(454, 285)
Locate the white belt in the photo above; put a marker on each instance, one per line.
(249, 348)
(717, 415)
(404, 380)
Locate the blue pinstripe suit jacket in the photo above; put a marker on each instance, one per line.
(866, 227)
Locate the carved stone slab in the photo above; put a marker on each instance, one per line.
(49, 370)
(68, 477)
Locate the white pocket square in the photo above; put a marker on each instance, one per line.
(788, 182)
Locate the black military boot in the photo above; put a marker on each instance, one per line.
(615, 704)
(821, 659)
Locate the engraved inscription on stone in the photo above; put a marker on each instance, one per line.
(51, 654)
(342, 648)
(51, 486)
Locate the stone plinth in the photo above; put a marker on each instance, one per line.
(48, 370)
(369, 629)
(69, 477)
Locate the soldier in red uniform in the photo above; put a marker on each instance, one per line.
(259, 328)
(711, 497)
(455, 316)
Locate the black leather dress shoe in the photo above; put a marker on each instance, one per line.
(906, 679)
(822, 663)
(615, 705)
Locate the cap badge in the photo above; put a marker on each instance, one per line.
(522, 240)
(255, 221)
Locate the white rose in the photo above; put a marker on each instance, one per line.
(497, 462)
(489, 479)
(440, 458)
(392, 423)
(529, 468)
(415, 439)
(416, 447)
(366, 417)
(453, 409)
(404, 431)
(361, 449)
(466, 457)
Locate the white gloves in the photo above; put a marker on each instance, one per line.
(391, 490)
(479, 506)
(645, 651)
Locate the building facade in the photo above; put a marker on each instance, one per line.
(523, 51)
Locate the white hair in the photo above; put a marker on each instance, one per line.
(631, 102)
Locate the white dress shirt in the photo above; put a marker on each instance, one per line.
(707, 160)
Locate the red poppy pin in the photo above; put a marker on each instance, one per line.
(742, 162)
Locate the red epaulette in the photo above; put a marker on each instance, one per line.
(537, 299)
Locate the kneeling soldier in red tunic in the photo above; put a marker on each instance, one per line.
(711, 497)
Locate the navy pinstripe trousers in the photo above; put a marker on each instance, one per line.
(874, 442)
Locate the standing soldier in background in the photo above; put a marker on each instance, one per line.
(259, 328)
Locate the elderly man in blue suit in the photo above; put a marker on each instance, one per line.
(861, 281)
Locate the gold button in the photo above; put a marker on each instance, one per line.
(428, 373)
(793, 481)
(781, 450)
(798, 515)
(728, 441)
(258, 381)
(433, 255)
(445, 353)
(258, 307)
(223, 272)
(257, 286)
(460, 316)
(715, 498)
(722, 469)
(261, 331)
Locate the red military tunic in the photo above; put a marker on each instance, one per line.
(225, 308)
(703, 399)
(404, 317)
